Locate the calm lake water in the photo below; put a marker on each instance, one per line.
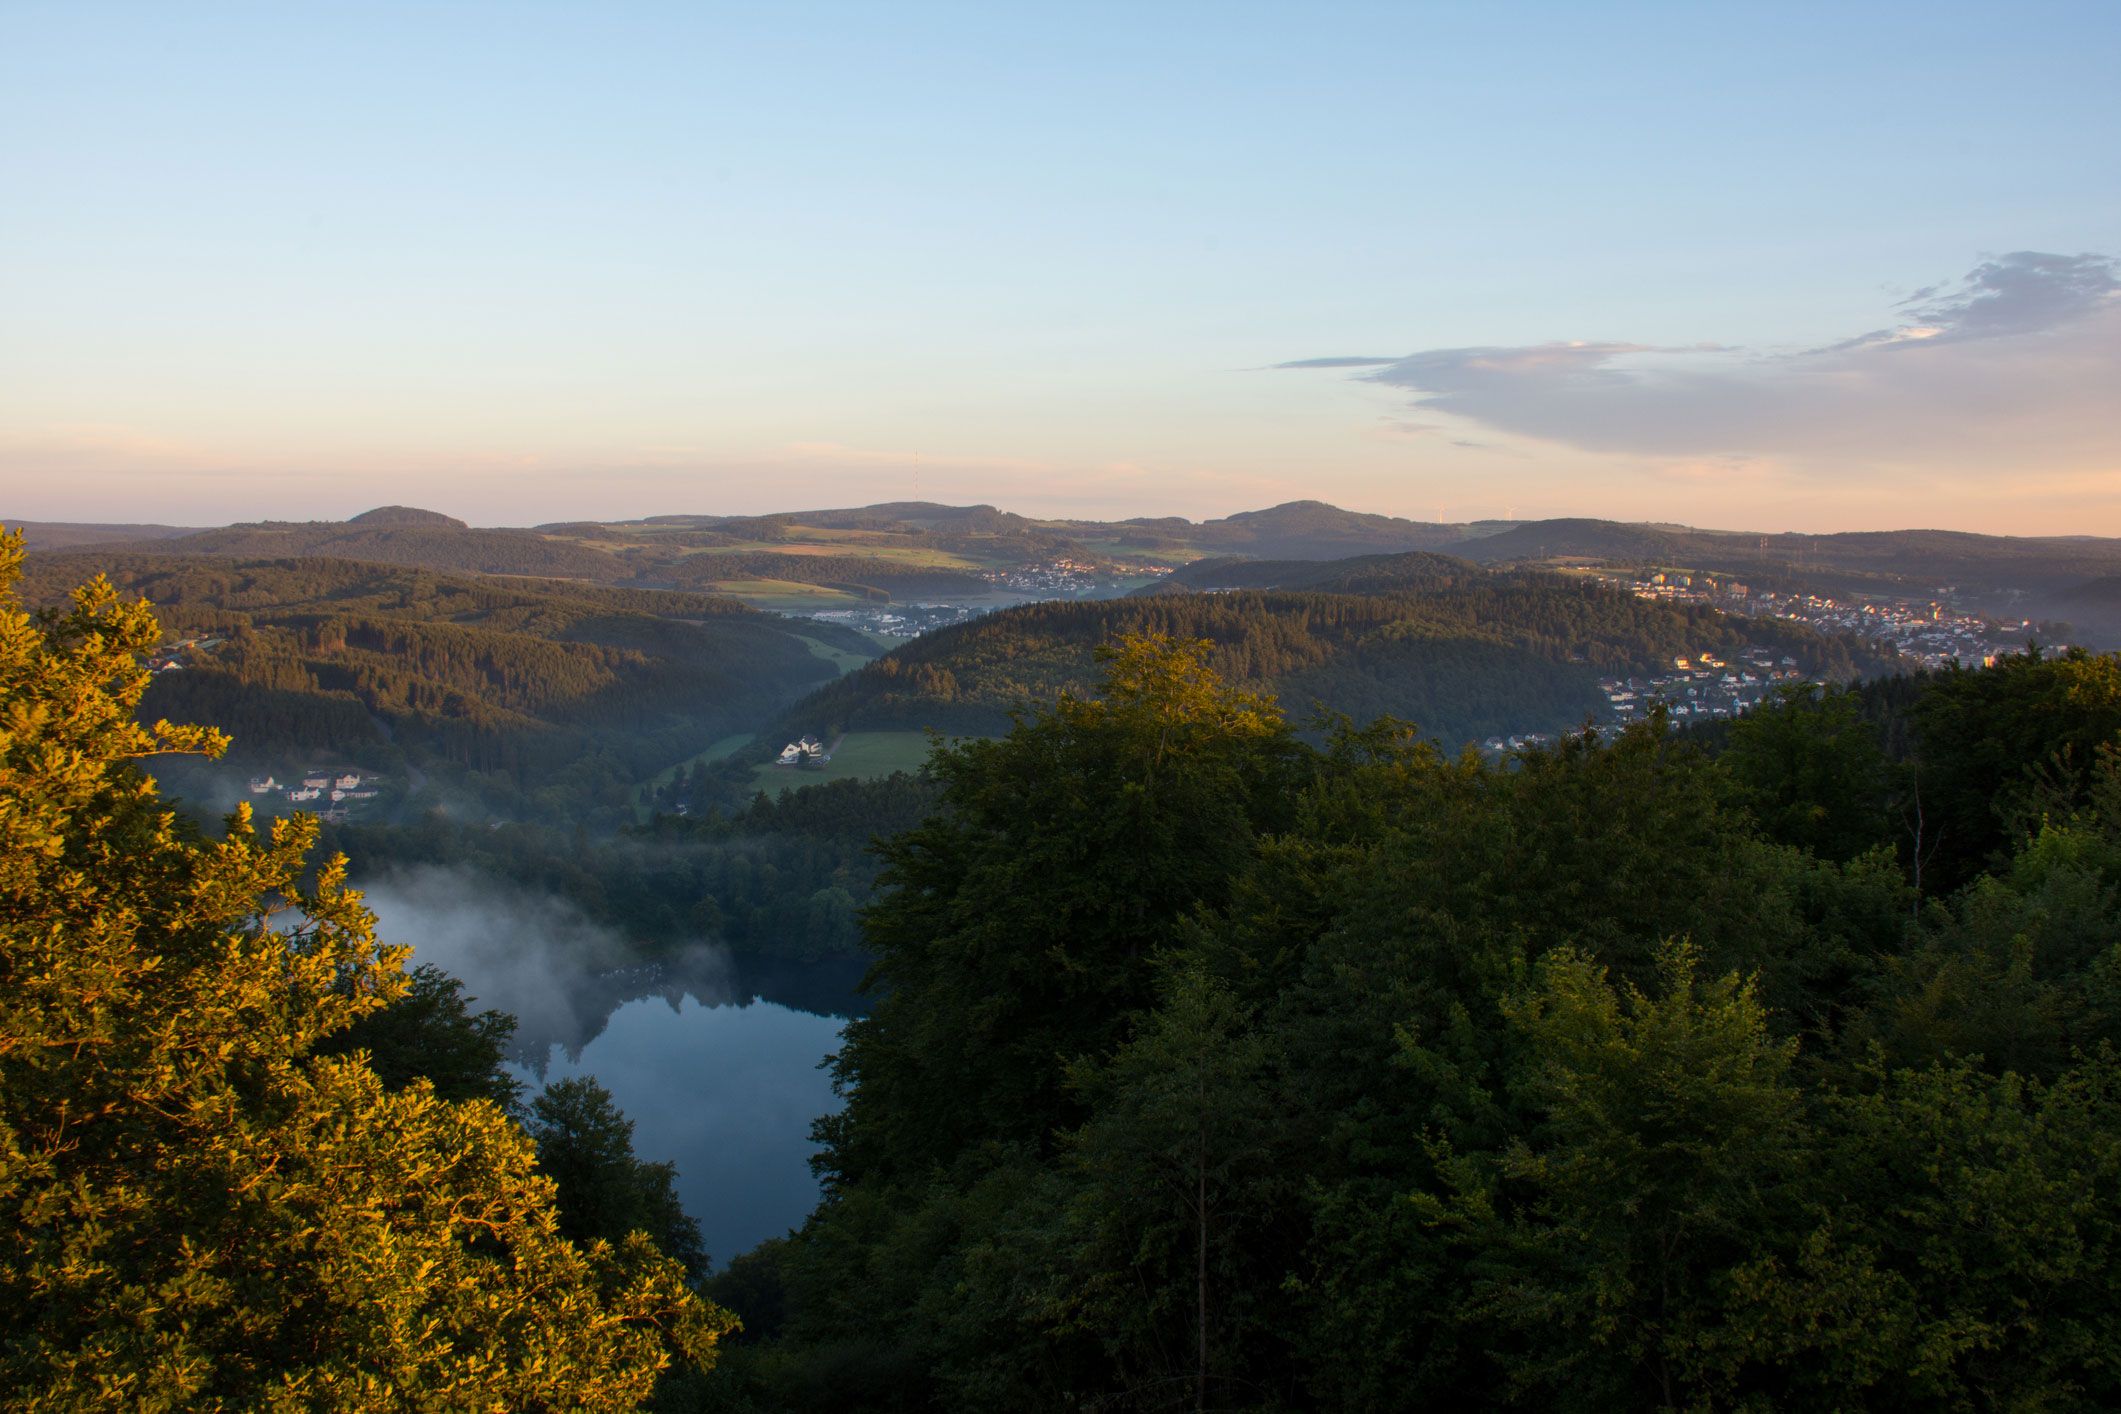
(725, 1091)
(713, 1057)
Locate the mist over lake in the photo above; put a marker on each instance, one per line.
(715, 1062)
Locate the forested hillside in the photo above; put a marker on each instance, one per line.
(1915, 561)
(1212, 1069)
(1309, 530)
(534, 697)
(1361, 574)
(427, 544)
(61, 535)
(1472, 654)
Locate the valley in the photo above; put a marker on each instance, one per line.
(640, 790)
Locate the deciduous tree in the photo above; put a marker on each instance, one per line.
(198, 1210)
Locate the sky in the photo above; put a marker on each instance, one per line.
(1777, 266)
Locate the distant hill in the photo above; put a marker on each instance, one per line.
(1915, 561)
(1295, 530)
(1476, 654)
(1362, 574)
(405, 515)
(903, 550)
(59, 535)
(530, 698)
(1313, 530)
(1601, 539)
(442, 544)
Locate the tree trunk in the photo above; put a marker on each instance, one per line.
(1200, 1199)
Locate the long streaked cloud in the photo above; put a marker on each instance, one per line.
(2019, 359)
(1339, 361)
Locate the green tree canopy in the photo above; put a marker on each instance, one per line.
(1219, 1070)
(1026, 914)
(586, 1147)
(200, 1210)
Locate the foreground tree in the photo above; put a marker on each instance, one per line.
(1027, 913)
(586, 1146)
(1811, 770)
(431, 1033)
(1220, 1070)
(197, 1209)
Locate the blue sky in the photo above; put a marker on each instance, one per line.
(538, 261)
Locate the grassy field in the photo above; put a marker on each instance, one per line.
(915, 555)
(785, 595)
(1134, 555)
(727, 746)
(858, 756)
(841, 658)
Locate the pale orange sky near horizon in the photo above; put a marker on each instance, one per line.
(1721, 266)
(2004, 422)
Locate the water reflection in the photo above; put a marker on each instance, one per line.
(589, 1002)
(727, 1092)
(713, 1057)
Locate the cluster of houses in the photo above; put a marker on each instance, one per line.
(1924, 630)
(1697, 687)
(1701, 685)
(1073, 579)
(342, 789)
(807, 752)
(898, 620)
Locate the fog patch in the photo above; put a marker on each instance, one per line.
(536, 956)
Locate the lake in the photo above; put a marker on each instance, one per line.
(726, 1091)
(713, 1057)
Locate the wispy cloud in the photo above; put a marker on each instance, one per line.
(2016, 364)
(1338, 361)
(2025, 292)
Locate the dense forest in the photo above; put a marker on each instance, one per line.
(1463, 652)
(454, 548)
(529, 698)
(1360, 574)
(1213, 1068)
(1913, 560)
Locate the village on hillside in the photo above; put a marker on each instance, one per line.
(1073, 579)
(897, 620)
(1928, 632)
(1696, 688)
(340, 791)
